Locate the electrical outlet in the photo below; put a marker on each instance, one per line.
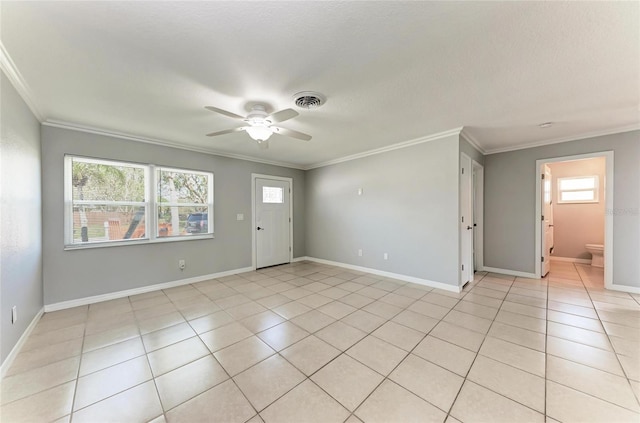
(360, 253)
(182, 264)
(14, 314)
(385, 256)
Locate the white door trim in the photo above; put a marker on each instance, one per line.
(255, 176)
(608, 217)
(478, 213)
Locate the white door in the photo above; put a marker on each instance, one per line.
(466, 220)
(272, 217)
(547, 219)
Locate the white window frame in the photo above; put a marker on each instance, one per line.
(150, 204)
(595, 189)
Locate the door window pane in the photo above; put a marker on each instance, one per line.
(272, 195)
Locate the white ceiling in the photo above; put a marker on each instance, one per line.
(391, 71)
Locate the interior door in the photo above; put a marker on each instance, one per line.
(466, 220)
(272, 217)
(547, 219)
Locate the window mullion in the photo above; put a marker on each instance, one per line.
(151, 201)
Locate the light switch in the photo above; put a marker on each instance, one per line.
(240, 216)
(359, 191)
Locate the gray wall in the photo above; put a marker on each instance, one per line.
(471, 151)
(409, 209)
(510, 180)
(86, 272)
(575, 225)
(20, 216)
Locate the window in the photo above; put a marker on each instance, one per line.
(183, 202)
(272, 195)
(583, 189)
(108, 201)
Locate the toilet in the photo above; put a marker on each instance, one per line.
(597, 254)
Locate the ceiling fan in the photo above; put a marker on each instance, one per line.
(259, 124)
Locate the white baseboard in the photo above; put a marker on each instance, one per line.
(624, 288)
(18, 346)
(509, 272)
(412, 279)
(129, 292)
(571, 260)
(297, 259)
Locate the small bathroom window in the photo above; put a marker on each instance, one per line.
(583, 189)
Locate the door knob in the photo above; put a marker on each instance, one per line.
(469, 227)
(260, 229)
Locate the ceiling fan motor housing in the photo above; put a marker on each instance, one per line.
(257, 116)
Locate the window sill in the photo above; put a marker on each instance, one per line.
(147, 241)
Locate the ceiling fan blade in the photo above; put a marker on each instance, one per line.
(290, 133)
(228, 131)
(224, 112)
(282, 115)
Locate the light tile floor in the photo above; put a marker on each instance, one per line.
(309, 342)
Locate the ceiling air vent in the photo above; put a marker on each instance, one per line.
(309, 99)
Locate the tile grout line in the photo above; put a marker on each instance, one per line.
(77, 380)
(498, 393)
(477, 353)
(345, 352)
(367, 333)
(614, 351)
(546, 345)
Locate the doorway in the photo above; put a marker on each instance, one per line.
(573, 194)
(478, 215)
(471, 218)
(272, 211)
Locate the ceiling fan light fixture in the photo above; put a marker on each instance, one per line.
(259, 133)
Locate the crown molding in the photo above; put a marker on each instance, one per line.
(9, 68)
(388, 148)
(472, 140)
(164, 143)
(582, 136)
